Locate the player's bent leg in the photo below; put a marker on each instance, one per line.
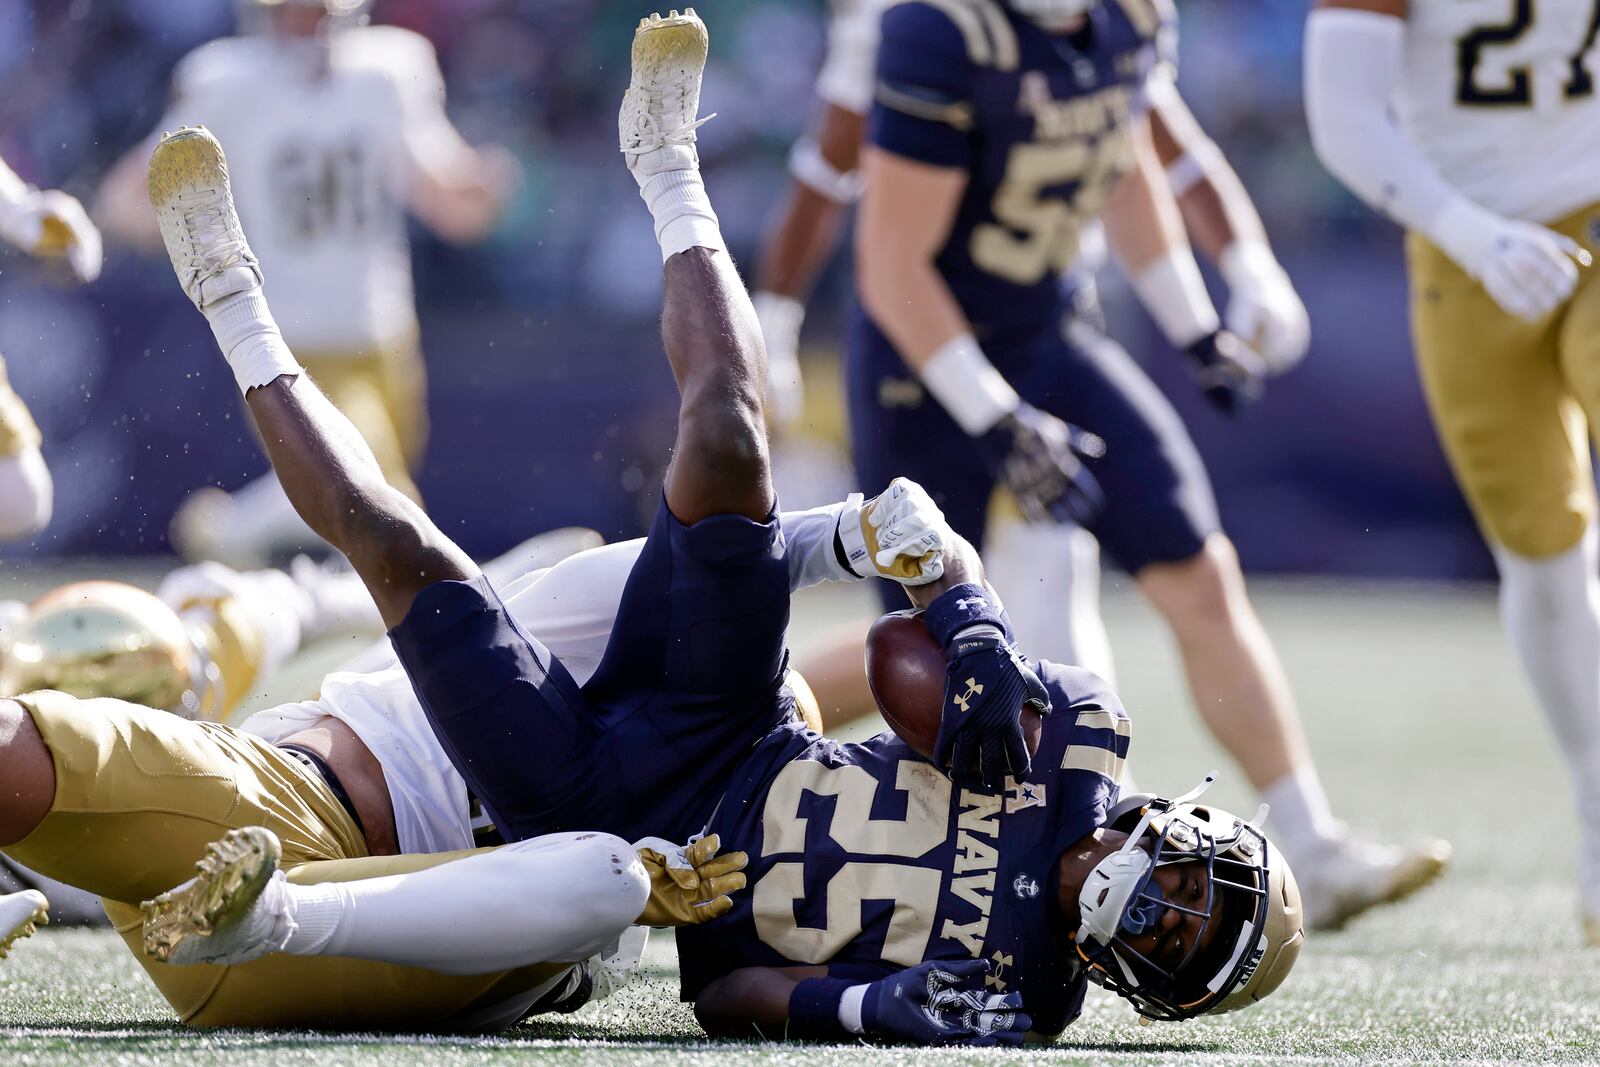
(1238, 684)
(719, 462)
(708, 325)
(326, 469)
(555, 899)
(355, 385)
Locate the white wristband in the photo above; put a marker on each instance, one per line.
(961, 378)
(850, 1009)
(1174, 294)
(1193, 167)
(852, 540)
(810, 168)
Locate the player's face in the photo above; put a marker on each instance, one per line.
(1176, 936)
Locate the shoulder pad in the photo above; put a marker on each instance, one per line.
(985, 30)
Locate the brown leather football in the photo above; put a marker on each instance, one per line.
(905, 668)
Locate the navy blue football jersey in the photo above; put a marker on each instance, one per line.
(867, 858)
(1038, 120)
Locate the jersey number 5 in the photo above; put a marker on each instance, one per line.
(1037, 233)
(1518, 92)
(913, 891)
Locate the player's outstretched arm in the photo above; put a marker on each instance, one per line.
(1355, 52)
(1263, 307)
(1146, 232)
(940, 1002)
(326, 468)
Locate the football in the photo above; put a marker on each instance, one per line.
(905, 668)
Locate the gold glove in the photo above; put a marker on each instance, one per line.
(689, 884)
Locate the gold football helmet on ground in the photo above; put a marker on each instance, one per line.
(107, 639)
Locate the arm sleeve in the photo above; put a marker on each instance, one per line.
(812, 557)
(1352, 64)
(923, 109)
(431, 139)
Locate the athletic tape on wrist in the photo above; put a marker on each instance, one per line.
(810, 168)
(1174, 294)
(853, 539)
(968, 386)
(965, 606)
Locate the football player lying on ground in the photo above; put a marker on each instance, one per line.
(687, 715)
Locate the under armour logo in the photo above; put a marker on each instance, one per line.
(964, 700)
(997, 980)
(970, 603)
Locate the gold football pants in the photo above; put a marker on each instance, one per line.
(384, 394)
(139, 795)
(1514, 402)
(18, 432)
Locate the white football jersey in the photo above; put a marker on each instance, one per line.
(571, 608)
(1501, 95)
(321, 148)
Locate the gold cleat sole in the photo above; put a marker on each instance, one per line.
(231, 876)
(28, 928)
(670, 40)
(185, 159)
(1418, 870)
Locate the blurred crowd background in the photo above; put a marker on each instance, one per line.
(551, 401)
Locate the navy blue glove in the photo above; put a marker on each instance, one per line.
(1039, 458)
(943, 1002)
(1229, 372)
(986, 685)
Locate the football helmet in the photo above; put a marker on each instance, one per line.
(1251, 898)
(107, 639)
(1053, 14)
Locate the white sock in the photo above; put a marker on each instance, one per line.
(249, 338)
(1551, 609)
(317, 912)
(554, 899)
(682, 210)
(1301, 818)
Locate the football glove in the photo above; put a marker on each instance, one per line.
(1525, 268)
(53, 224)
(985, 688)
(689, 884)
(1530, 271)
(898, 535)
(1040, 459)
(1229, 373)
(943, 1002)
(1263, 309)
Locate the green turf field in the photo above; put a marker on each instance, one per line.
(1422, 725)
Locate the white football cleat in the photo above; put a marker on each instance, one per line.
(20, 915)
(236, 910)
(1352, 875)
(193, 201)
(657, 122)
